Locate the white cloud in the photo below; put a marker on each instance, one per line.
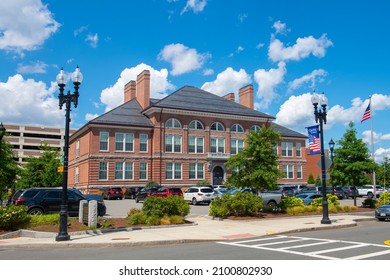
(242, 17)
(182, 58)
(267, 81)
(260, 45)
(89, 117)
(25, 25)
(38, 67)
(296, 110)
(315, 75)
(302, 48)
(208, 72)
(80, 30)
(381, 153)
(93, 40)
(195, 5)
(228, 81)
(280, 28)
(112, 96)
(377, 137)
(29, 101)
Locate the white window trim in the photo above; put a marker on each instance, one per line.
(124, 142)
(124, 171)
(196, 144)
(173, 171)
(288, 144)
(196, 171)
(173, 144)
(139, 171)
(218, 139)
(147, 142)
(107, 171)
(108, 141)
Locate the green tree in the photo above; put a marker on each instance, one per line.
(318, 181)
(351, 161)
(310, 179)
(256, 165)
(383, 173)
(42, 171)
(9, 169)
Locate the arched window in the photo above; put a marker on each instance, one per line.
(217, 126)
(237, 128)
(195, 124)
(172, 123)
(255, 128)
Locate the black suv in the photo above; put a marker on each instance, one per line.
(48, 200)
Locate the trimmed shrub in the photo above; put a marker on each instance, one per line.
(369, 203)
(165, 220)
(13, 217)
(137, 218)
(240, 204)
(153, 221)
(332, 201)
(165, 206)
(384, 198)
(290, 201)
(176, 220)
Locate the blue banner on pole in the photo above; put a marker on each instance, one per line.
(314, 140)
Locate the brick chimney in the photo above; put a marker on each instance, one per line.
(143, 89)
(229, 96)
(245, 96)
(129, 91)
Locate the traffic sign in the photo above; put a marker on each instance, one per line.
(328, 163)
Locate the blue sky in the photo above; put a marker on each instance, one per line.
(286, 49)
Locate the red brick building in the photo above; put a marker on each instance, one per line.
(178, 140)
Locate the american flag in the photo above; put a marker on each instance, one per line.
(315, 146)
(367, 113)
(314, 140)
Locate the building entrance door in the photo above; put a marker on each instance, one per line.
(218, 175)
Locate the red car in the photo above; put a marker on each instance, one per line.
(166, 191)
(113, 193)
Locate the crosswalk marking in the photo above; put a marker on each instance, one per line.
(324, 253)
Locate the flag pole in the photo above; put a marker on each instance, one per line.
(372, 146)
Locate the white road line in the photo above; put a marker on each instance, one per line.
(316, 254)
(306, 245)
(337, 249)
(366, 256)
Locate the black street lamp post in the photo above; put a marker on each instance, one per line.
(331, 148)
(66, 99)
(320, 116)
(2, 131)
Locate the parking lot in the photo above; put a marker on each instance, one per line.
(119, 208)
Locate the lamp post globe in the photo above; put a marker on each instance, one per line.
(66, 99)
(320, 117)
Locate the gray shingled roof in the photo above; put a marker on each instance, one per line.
(286, 132)
(195, 99)
(128, 114)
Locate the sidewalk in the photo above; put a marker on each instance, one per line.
(202, 229)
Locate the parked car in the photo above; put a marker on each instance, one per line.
(383, 212)
(350, 191)
(339, 192)
(217, 193)
(368, 190)
(286, 190)
(12, 199)
(113, 193)
(96, 197)
(49, 200)
(143, 193)
(221, 188)
(132, 192)
(308, 198)
(167, 191)
(197, 195)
